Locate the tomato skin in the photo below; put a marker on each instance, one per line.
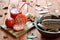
(10, 22)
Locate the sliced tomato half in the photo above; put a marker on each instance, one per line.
(18, 28)
(21, 19)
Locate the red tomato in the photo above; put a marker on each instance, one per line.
(19, 27)
(14, 13)
(10, 22)
(21, 19)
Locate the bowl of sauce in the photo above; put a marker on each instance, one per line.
(48, 25)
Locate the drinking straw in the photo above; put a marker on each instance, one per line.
(23, 6)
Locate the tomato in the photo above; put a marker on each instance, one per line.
(21, 19)
(10, 22)
(14, 12)
(19, 27)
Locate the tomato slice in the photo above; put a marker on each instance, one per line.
(21, 19)
(18, 28)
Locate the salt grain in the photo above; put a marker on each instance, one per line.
(56, 11)
(50, 4)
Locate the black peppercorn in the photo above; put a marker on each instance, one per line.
(5, 8)
(5, 13)
(1, 15)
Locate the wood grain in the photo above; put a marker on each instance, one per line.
(56, 5)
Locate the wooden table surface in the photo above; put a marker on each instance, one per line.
(56, 5)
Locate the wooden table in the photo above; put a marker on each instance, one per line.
(56, 5)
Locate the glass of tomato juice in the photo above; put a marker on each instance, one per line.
(14, 12)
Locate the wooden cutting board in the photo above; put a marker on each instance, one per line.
(17, 34)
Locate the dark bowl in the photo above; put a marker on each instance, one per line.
(43, 32)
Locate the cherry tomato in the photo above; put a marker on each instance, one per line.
(21, 19)
(19, 27)
(10, 22)
(14, 12)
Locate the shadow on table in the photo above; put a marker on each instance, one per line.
(48, 38)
